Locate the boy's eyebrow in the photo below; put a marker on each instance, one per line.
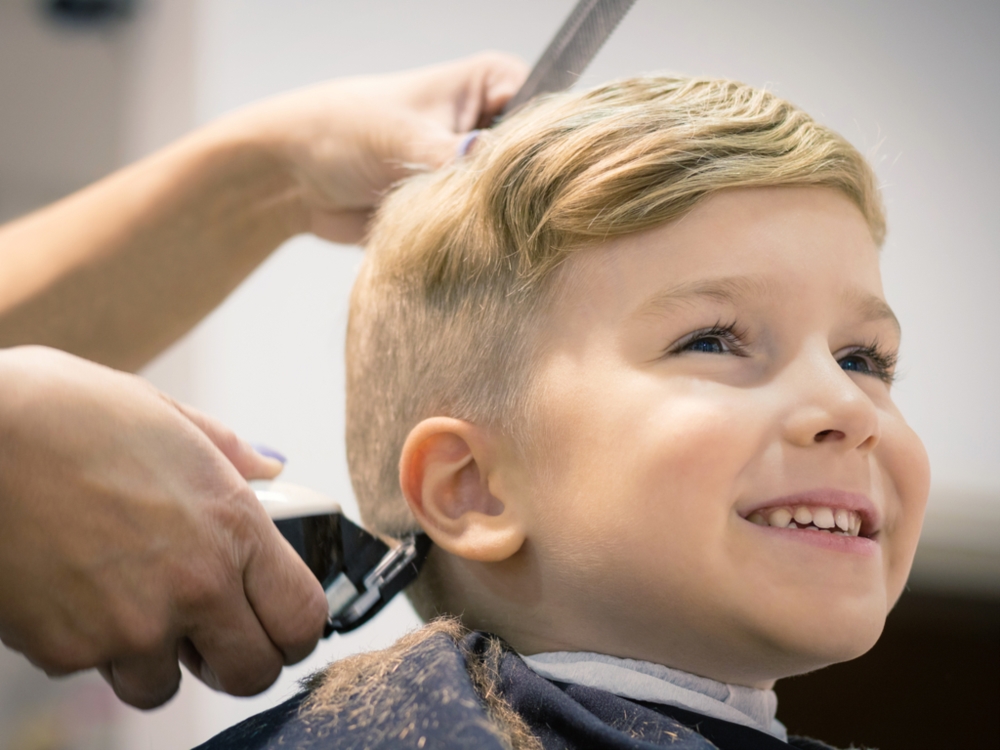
(734, 289)
(730, 289)
(872, 308)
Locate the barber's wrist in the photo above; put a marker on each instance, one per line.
(253, 173)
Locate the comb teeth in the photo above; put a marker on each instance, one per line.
(572, 49)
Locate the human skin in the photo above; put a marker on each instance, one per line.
(120, 270)
(129, 536)
(625, 530)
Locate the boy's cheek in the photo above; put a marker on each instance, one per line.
(660, 477)
(906, 468)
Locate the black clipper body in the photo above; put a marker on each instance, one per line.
(360, 573)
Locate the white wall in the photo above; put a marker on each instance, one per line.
(60, 98)
(911, 82)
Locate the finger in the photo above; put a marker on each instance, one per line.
(478, 87)
(503, 77)
(475, 90)
(344, 227)
(440, 147)
(247, 461)
(188, 655)
(288, 600)
(230, 651)
(144, 681)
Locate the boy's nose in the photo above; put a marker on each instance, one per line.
(828, 407)
(829, 435)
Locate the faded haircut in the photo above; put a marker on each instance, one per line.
(461, 263)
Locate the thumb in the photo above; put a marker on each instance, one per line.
(438, 148)
(250, 463)
(422, 144)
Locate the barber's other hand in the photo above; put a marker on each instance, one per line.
(348, 140)
(129, 537)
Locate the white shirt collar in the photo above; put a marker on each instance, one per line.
(654, 683)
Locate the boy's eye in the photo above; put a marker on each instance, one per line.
(855, 363)
(719, 339)
(870, 360)
(709, 344)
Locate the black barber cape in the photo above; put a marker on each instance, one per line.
(445, 711)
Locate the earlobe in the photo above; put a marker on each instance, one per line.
(444, 472)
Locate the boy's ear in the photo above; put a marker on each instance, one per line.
(445, 472)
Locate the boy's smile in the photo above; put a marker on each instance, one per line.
(722, 483)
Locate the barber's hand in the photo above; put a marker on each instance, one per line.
(129, 537)
(349, 140)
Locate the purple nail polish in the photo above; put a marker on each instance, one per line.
(270, 453)
(465, 146)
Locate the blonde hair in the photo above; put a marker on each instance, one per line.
(459, 261)
(372, 694)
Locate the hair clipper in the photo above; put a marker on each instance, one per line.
(360, 573)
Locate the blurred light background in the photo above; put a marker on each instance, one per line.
(911, 83)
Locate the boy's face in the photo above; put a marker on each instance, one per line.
(700, 384)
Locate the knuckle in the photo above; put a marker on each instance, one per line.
(56, 661)
(134, 629)
(228, 441)
(63, 656)
(211, 572)
(301, 631)
(253, 681)
(232, 515)
(145, 691)
(201, 588)
(54, 649)
(142, 635)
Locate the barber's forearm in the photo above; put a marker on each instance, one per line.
(119, 271)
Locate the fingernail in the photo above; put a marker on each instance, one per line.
(466, 144)
(266, 452)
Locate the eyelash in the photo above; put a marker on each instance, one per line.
(882, 363)
(731, 334)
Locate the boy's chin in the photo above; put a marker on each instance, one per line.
(822, 638)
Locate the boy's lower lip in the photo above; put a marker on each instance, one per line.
(858, 545)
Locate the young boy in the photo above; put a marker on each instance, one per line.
(628, 365)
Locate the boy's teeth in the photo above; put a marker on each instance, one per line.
(803, 516)
(779, 517)
(823, 518)
(842, 518)
(840, 521)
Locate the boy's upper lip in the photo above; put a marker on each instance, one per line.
(871, 516)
